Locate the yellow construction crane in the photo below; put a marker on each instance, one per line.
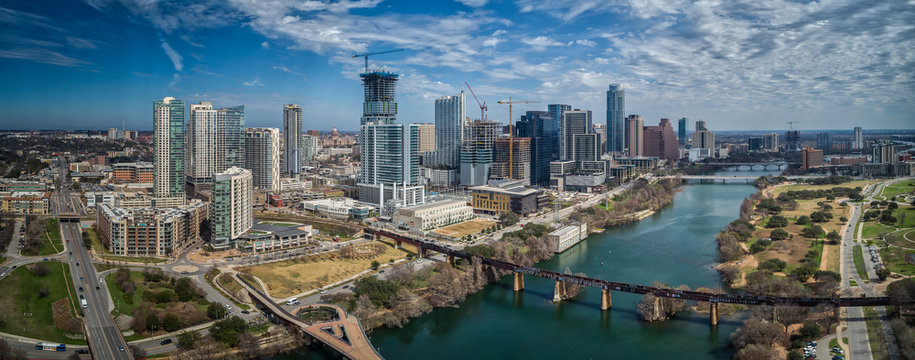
(511, 133)
(367, 54)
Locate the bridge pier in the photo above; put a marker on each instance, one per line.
(397, 244)
(559, 291)
(518, 281)
(605, 301)
(713, 314)
(451, 259)
(836, 315)
(422, 252)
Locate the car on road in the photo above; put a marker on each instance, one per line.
(97, 288)
(82, 351)
(120, 347)
(184, 273)
(80, 288)
(346, 286)
(246, 312)
(381, 272)
(77, 264)
(165, 342)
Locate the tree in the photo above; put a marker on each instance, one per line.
(883, 273)
(7, 352)
(803, 273)
(375, 264)
(43, 292)
(777, 221)
(171, 322)
(820, 216)
(810, 331)
(779, 234)
(216, 310)
(40, 269)
(152, 321)
(833, 237)
(138, 353)
(757, 352)
(227, 331)
(187, 340)
(758, 331)
(509, 218)
(803, 220)
(729, 274)
(812, 232)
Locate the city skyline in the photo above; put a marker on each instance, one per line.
(725, 65)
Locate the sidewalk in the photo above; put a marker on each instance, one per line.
(27, 340)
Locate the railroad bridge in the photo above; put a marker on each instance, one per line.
(606, 287)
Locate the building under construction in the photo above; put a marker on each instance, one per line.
(516, 167)
(477, 152)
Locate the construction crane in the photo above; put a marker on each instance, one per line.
(366, 56)
(482, 104)
(791, 125)
(511, 133)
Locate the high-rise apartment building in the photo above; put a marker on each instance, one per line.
(231, 208)
(292, 134)
(518, 165)
(584, 147)
(426, 137)
(477, 152)
(168, 147)
(770, 141)
(449, 130)
(215, 142)
(793, 140)
(661, 141)
(262, 157)
(616, 112)
(574, 122)
(884, 152)
(811, 158)
(702, 138)
(556, 112)
(682, 132)
(634, 135)
(858, 142)
(309, 145)
(824, 142)
(390, 152)
(539, 127)
(601, 131)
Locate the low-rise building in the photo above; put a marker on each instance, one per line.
(507, 195)
(150, 231)
(265, 237)
(20, 185)
(432, 215)
(338, 208)
(25, 202)
(95, 198)
(132, 173)
(568, 235)
(642, 163)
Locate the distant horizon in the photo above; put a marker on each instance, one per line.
(864, 130)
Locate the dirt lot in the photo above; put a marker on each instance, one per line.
(465, 228)
(287, 278)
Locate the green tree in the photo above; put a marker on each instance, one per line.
(810, 331)
(803, 273)
(803, 220)
(227, 331)
(152, 321)
(187, 340)
(833, 237)
(375, 264)
(883, 273)
(779, 234)
(777, 221)
(509, 218)
(184, 290)
(812, 232)
(171, 322)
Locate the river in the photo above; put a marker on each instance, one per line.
(675, 246)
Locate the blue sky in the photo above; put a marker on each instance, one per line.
(743, 64)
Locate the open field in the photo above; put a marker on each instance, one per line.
(53, 243)
(26, 313)
(290, 277)
(873, 229)
(905, 216)
(851, 184)
(894, 259)
(898, 188)
(832, 257)
(465, 228)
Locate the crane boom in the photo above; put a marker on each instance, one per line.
(482, 104)
(367, 54)
(511, 133)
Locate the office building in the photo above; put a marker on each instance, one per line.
(883, 152)
(574, 122)
(168, 147)
(512, 159)
(477, 152)
(215, 142)
(231, 207)
(601, 131)
(338, 208)
(503, 196)
(389, 152)
(823, 141)
(683, 132)
(702, 138)
(262, 157)
(449, 130)
(133, 173)
(755, 143)
(426, 137)
(150, 231)
(292, 131)
(811, 157)
(616, 112)
(433, 215)
(539, 127)
(584, 147)
(557, 111)
(858, 142)
(634, 135)
(661, 141)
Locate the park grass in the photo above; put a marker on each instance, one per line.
(470, 227)
(852, 283)
(20, 296)
(290, 277)
(118, 296)
(879, 348)
(859, 263)
(873, 229)
(832, 258)
(898, 188)
(905, 216)
(53, 243)
(894, 260)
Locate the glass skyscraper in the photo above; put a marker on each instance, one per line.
(539, 126)
(449, 130)
(616, 113)
(292, 129)
(168, 147)
(681, 131)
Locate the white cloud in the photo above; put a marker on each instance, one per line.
(253, 83)
(173, 55)
(41, 55)
(265, 45)
(288, 70)
(586, 42)
(80, 43)
(540, 43)
(473, 3)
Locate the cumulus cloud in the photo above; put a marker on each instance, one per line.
(586, 42)
(173, 55)
(540, 43)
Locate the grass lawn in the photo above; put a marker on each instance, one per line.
(20, 297)
(852, 283)
(879, 348)
(906, 216)
(832, 258)
(859, 263)
(898, 188)
(851, 184)
(54, 244)
(465, 228)
(894, 259)
(872, 230)
(231, 285)
(96, 243)
(277, 223)
(118, 296)
(287, 278)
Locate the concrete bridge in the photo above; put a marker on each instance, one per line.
(605, 286)
(734, 179)
(780, 165)
(344, 334)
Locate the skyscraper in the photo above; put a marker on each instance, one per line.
(449, 130)
(539, 126)
(292, 130)
(230, 210)
(516, 167)
(682, 131)
(389, 151)
(584, 147)
(601, 131)
(215, 142)
(634, 135)
(168, 147)
(702, 138)
(262, 157)
(557, 111)
(616, 111)
(477, 152)
(859, 138)
(575, 122)
(426, 137)
(824, 142)
(661, 141)
(309, 145)
(884, 152)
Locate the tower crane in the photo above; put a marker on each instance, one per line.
(482, 104)
(791, 125)
(511, 133)
(367, 54)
